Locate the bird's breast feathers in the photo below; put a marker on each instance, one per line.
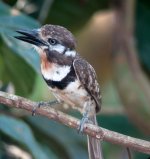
(73, 94)
(55, 72)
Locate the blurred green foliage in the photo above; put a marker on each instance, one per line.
(76, 12)
(19, 65)
(142, 33)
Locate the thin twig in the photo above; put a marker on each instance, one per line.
(89, 129)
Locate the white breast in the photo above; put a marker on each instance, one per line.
(74, 94)
(56, 72)
(76, 89)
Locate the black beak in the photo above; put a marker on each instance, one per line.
(31, 36)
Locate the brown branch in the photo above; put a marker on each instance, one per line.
(89, 129)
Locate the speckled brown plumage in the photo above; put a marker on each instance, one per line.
(87, 76)
(60, 33)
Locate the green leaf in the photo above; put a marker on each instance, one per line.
(24, 50)
(67, 141)
(8, 25)
(17, 71)
(4, 9)
(19, 65)
(12, 19)
(20, 132)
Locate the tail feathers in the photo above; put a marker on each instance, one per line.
(94, 146)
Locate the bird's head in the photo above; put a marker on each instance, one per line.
(50, 38)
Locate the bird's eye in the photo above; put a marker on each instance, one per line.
(52, 41)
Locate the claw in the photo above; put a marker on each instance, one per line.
(33, 111)
(41, 103)
(35, 107)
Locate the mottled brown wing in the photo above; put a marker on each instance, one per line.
(87, 76)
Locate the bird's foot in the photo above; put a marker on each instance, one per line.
(84, 120)
(41, 103)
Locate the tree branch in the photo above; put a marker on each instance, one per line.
(89, 129)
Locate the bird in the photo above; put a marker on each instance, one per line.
(70, 77)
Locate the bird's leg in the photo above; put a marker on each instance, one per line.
(88, 111)
(42, 103)
(84, 120)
